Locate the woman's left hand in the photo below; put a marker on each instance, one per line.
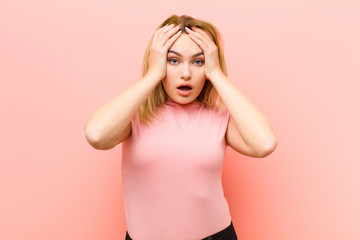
(204, 41)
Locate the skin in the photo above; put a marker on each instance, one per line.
(185, 64)
(248, 132)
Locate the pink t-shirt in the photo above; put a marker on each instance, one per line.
(171, 174)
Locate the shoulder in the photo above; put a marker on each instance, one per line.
(220, 112)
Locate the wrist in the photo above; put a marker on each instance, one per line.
(216, 75)
(154, 76)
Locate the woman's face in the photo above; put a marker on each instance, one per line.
(185, 72)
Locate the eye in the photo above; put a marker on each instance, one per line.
(199, 62)
(172, 60)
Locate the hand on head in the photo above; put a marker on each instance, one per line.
(205, 42)
(162, 41)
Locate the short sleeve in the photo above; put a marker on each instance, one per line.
(228, 118)
(228, 115)
(135, 124)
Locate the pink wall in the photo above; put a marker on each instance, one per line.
(298, 61)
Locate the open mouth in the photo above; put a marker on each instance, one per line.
(184, 88)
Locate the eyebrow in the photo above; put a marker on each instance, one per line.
(195, 55)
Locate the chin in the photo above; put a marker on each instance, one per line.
(181, 100)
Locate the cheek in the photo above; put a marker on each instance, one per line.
(170, 72)
(168, 82)
(201, 76)
(200, 72)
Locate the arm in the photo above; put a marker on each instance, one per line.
(249, 132)
(111, 124)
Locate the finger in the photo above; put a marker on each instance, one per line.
(209, 38)
(194, 35)
(198, 39)
(171, 41)
(171, 28)
(167, 35)
(199, 36)
(202, 32)
(160, 32)
(164, 29)
(168, 27)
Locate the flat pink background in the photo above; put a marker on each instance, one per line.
(298, 61)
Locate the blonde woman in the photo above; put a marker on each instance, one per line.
(175, 124)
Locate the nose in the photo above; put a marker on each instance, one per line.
(185, 72)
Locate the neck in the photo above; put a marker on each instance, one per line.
(169, 100)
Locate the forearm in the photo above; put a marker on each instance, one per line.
(107, 124)
(255, 129)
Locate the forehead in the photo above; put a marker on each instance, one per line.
(185, 45)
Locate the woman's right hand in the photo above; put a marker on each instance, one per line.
(163, 39)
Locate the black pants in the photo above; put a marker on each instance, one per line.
(226, 234)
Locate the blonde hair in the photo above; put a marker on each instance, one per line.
(208, 95)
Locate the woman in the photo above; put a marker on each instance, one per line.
(175, 124)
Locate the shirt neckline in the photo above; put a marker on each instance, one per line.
(171, 102)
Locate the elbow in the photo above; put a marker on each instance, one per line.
(95, 140)
(268, 148)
